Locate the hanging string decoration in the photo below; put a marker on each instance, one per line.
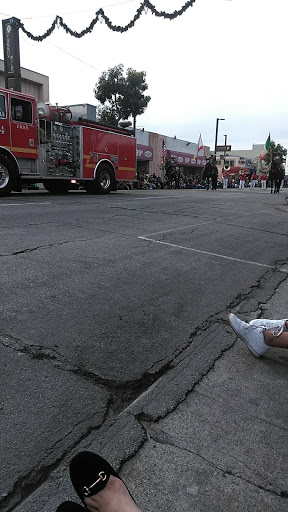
(101, 16)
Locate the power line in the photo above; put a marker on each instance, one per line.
(74, 57)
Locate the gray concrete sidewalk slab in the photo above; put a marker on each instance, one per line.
(224, 448)
(253, 386)
(164, 478)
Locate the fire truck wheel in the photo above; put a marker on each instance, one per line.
(7, 176)
(104, 179)
(56, 187)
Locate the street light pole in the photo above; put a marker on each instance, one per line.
(225, 144)
(216, 134)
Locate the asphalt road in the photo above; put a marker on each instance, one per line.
(100, 294)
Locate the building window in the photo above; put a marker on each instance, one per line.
(21, 110)
(2, 106)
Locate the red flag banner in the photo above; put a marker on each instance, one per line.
(200, 148)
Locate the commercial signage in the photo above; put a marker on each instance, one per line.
(144, 152)
(223, 148)
(10, 29)
(186, 159)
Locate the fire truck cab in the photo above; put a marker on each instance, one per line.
(40, 143)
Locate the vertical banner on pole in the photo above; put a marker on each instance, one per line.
(10, 29)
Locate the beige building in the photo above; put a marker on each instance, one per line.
(31, 82)
(252, 154)
(150, 155)
(245, 158)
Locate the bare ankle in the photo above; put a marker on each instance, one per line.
(268, 338)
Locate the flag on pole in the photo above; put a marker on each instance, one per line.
(265, 149)
(200, 148)
(163, 152)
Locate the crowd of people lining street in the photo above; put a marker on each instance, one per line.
(241, 181)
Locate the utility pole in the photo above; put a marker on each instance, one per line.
(216, 134)
(225, 144)
(10, 30)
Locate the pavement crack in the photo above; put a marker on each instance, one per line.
(123, 393)
(264, 420)
(65, 242)
(33, 351)
(161, 437)
(32, 480)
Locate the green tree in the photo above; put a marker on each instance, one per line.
(109, 90)
(121, 96)
(134, 102)
(276, 149)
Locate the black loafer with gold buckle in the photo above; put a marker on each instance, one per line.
(89, 473)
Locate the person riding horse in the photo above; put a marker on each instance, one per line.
(211, 171)
(172, 172)
(276, 172)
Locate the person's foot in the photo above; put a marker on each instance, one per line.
(98, 485)
(270, 325)
(114, 497)
(251, 335)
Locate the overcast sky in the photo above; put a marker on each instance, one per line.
(222, 58)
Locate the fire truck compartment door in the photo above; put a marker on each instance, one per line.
(4, 123)
(23, 128)
(127, 159)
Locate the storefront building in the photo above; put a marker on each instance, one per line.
(153, 149)
(233, 164)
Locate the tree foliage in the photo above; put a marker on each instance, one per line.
(134, 102)
(121, 96)
(276, 150)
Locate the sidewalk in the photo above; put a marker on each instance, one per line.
(224, 448)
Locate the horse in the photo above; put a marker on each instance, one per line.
(211, 171)
(275, 177)
(173, 173)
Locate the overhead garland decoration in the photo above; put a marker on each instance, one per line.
(100, 15)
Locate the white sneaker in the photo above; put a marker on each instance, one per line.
(270, 325)
(250, 334)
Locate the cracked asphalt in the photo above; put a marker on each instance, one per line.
(114, 309)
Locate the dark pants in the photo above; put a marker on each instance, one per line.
(214, 182)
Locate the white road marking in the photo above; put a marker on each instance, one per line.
(22, 204)
(156, 197)
(207, 253)
(178, 229)
(201, 224)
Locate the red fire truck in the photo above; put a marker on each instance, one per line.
(44, 144)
